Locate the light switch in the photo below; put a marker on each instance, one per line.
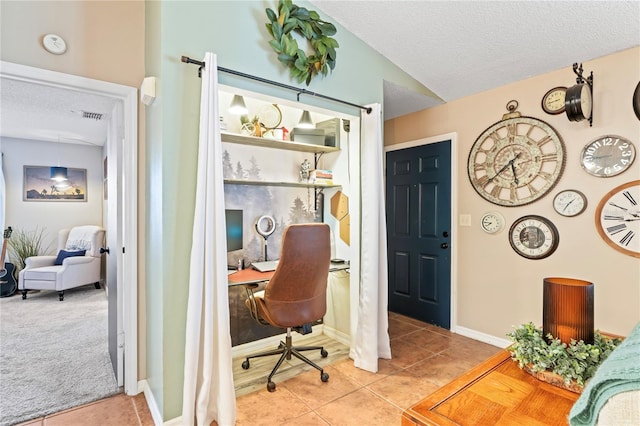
(465, 220)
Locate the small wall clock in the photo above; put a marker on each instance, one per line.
(569, 202)
(533, 237)
(54, 44)
(553, 100)
(607, 156)
(516, 160)
(492, 222)
(618, 218)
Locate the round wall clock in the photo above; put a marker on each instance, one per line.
(607, 156)
(492, 222)
(569, 202)
(618, 218)
(54, 44)
(636, 101)
(553, 100)
(578, 102)
(534, 237)
(516, 160)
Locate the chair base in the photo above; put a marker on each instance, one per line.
(285, 350)
(60, 293)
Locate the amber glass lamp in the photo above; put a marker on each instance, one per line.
(568, 309)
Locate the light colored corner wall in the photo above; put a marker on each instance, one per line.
(50, 216)
(498, 289)
(235, 31)
(105, 41)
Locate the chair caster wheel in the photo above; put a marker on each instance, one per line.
(324, 353)
(271, 387)
(324, 377)
(245, 365)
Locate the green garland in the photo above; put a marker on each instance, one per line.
(307, 23)
(577, 361)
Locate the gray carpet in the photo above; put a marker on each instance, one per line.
(53, 355)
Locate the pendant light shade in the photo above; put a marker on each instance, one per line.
(59, 174)
(238, 106)
(305, 121)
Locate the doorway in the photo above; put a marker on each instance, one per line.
(421, 233)
(122, 147)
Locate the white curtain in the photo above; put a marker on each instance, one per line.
(3, 193)
(372, 336)
(208, 392)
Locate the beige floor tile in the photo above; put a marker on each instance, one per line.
(364, 377)
(114, 411)
(142, 408)
(315, 393)
(361, 407)
(402, 389)
(399, 328)
(439, 369)
(427, 339)
(413, 321)
(269, 408)
(404, 353)
(309, 419)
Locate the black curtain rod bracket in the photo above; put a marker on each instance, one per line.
(298, 91)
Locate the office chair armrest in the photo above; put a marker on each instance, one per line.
(251, 299)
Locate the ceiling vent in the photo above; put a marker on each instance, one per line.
(91, 115)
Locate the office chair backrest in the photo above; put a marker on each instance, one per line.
(296, 294)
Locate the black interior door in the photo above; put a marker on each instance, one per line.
(418, 204)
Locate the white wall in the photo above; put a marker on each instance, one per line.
(51, 215)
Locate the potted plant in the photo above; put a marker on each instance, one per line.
(24, 244)
(551, 360)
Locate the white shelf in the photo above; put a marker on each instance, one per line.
(274, 143)
(270, 183)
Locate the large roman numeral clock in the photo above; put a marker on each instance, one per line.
(516, 160)
(618, 218)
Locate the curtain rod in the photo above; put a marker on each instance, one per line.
(299, 91)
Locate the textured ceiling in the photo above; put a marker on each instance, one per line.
(458, 48)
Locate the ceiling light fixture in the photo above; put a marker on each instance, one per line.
(305, 121)
(237, 105)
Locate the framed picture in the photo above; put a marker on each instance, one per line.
(38, 186)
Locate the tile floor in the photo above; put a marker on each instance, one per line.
(425, 357)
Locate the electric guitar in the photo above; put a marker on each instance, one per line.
(8, 284)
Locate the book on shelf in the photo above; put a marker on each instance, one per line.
(320, 174)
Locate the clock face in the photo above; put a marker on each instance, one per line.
(492, 222)
(516, 161)
(533, 237)
(570, 202)
(607, 156)
(553, 100)
(618, 218)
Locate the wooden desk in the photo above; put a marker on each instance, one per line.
(253, 276)
(496, 392)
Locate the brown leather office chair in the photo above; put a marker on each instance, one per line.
(295, 297)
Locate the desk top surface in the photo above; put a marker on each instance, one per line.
(250, 275)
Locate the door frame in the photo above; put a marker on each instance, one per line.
(128, 298)
(454, 209)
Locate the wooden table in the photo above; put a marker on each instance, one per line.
(496, 392)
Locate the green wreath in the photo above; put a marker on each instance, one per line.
(307, 23)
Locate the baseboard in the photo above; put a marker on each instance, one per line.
(483, 337)
(270, 342)
(341, 337)
(151, 402)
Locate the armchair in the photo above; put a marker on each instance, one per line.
(295, 297)
(77, 263)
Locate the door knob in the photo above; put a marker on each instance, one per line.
(104, 250)
(444, 246)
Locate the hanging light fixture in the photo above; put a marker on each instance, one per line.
(237, 105)
(305, 121)
(59, 174)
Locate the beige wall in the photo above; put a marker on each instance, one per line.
(496, 288)
(105, 41)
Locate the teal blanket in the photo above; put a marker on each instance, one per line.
(620, 372)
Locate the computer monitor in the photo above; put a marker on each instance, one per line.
(234, 229)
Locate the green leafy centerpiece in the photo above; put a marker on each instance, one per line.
(549, 359)
(292, 19)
